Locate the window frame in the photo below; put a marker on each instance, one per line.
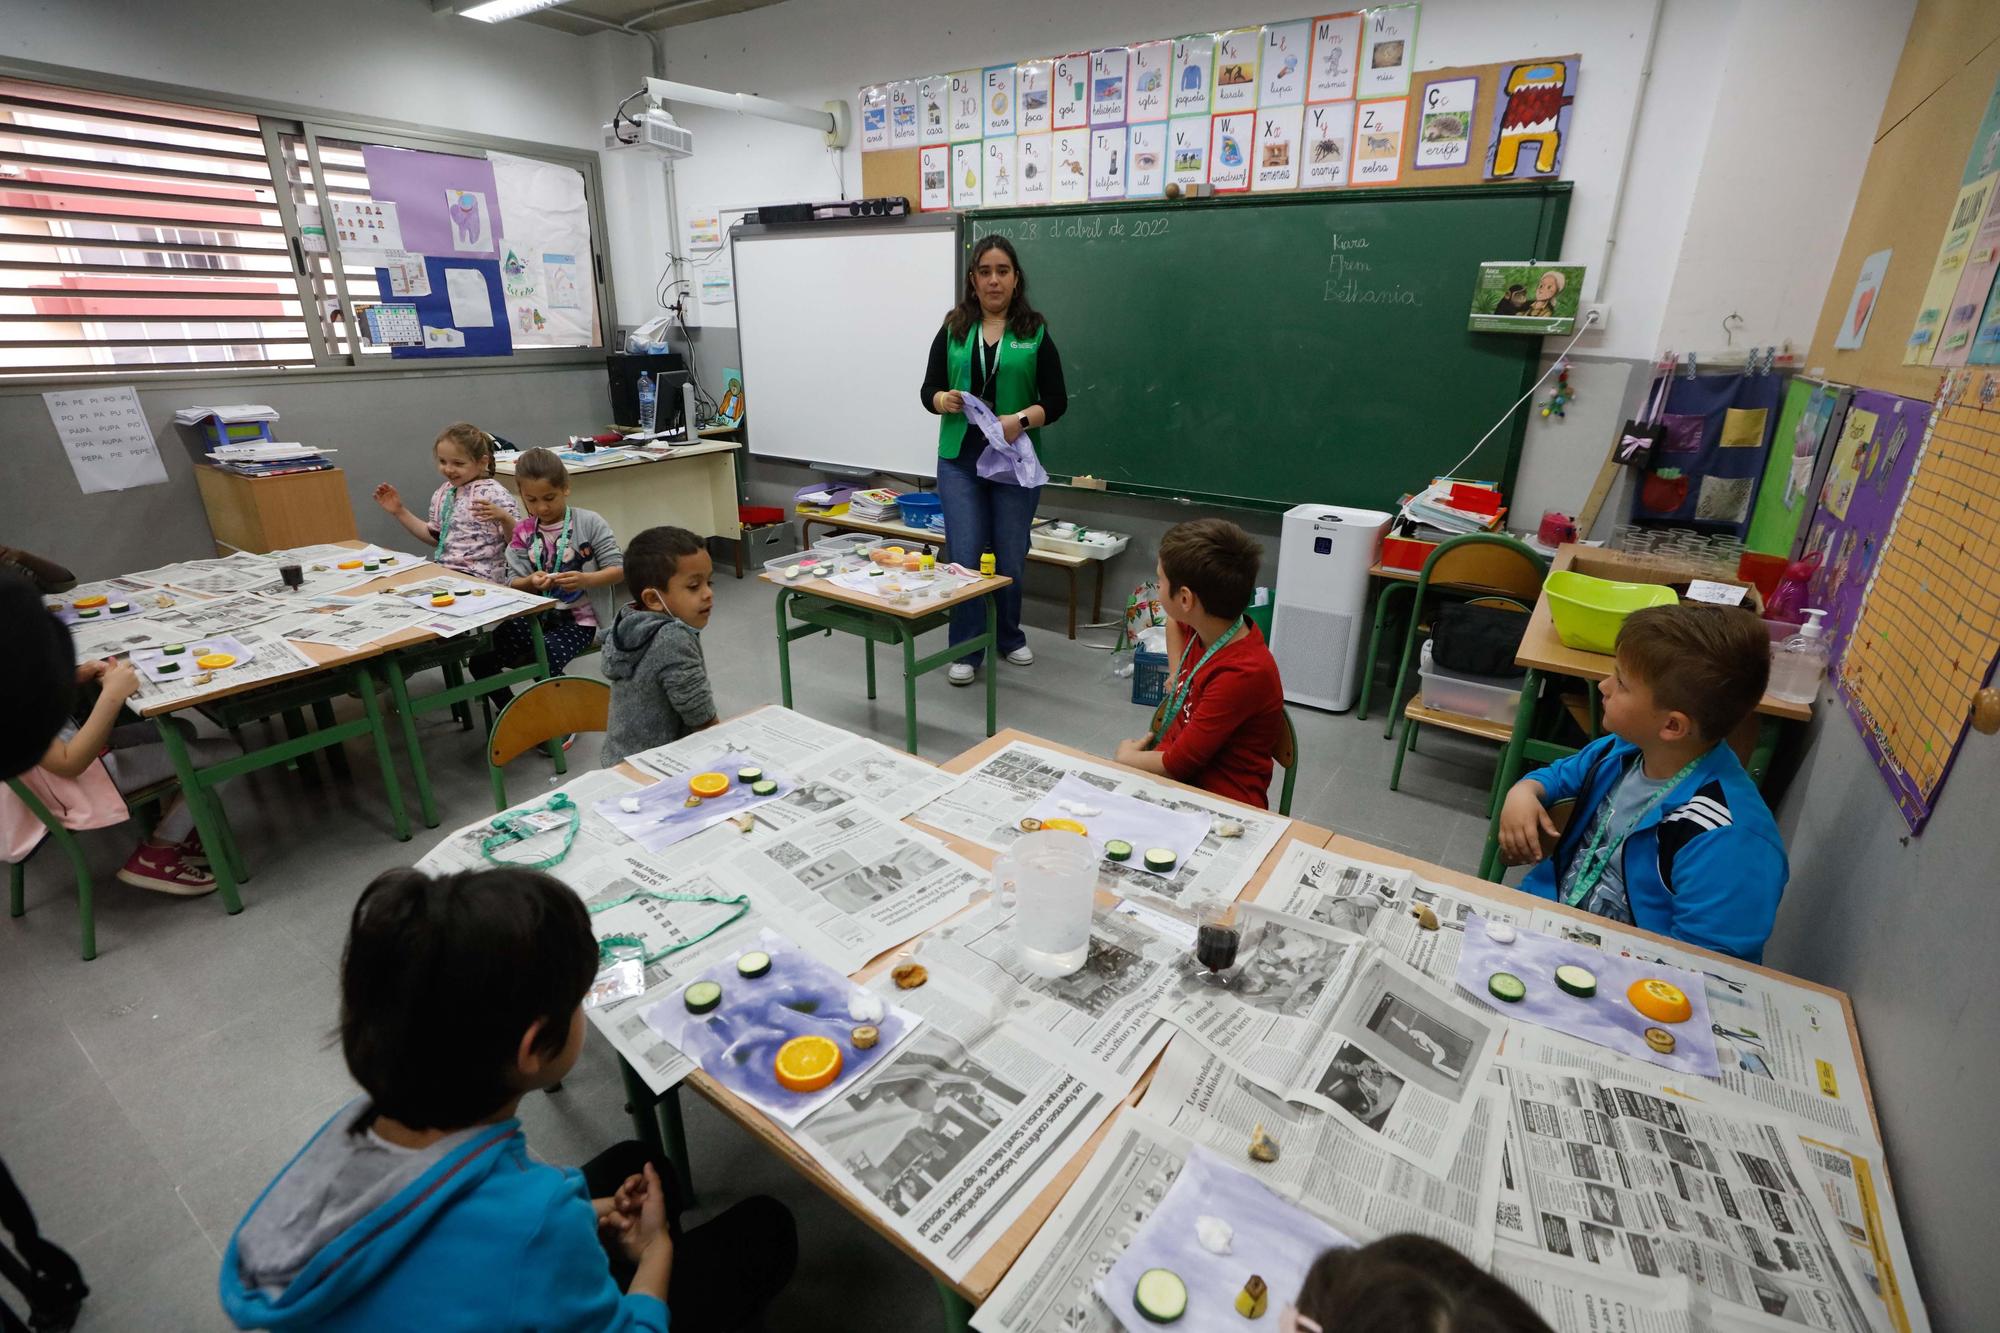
(277, 120)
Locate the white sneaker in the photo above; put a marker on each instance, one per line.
(960, 673)
(1022, 656)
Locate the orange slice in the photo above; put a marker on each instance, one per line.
(348, 564)
(215, 661)
(807, 1064)
(1066, 826)
(443, 599)
(706, 785)
(1661, 1001)
(84, 603)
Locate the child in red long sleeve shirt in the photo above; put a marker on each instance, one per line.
(1224, 712)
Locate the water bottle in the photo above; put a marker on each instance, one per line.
(647, 398)
(1799, 663)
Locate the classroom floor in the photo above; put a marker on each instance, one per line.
(150, 1094)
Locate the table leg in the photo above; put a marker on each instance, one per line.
(399, 698)
(1768, 731)
(992, 671)
(658, 1122)
(336, 755)
(784, 651)
(1510, 771)
(295, 729)
(910, 683)
(1072, 601)
(453, 678)
(207, 814)
(957, 1309)
(868, 652)
(1097, 602)
(364, 684)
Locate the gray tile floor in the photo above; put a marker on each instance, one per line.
(150, 1094)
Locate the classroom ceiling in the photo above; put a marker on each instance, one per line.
(644, 15)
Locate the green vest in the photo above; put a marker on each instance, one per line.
(1013, 383)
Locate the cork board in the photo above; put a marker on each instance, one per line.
(890, 172)
(1929, 628)
(1474, 171)
(1909, 189)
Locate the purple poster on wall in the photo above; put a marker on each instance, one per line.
(447, 204)
(1873, 456)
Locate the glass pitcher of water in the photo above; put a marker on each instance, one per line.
(1050, 877)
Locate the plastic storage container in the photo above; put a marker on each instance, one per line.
(1490, 698)
(808, 563)
(1589, 611)
(847, 543)
(1149, 677)
(1092, 549)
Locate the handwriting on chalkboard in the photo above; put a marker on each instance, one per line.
(1081, 229)
(1350, 279)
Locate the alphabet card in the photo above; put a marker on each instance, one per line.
(1276, 148)
(1531, 119)
(1147, 87)
(1107, 86)
(999, 174)
(1389, 51)
(1327, 144)
(1378, 141)
(1187, 151)
(903, 114)
(965, 192)
(998, 102)
(966, 121)
(1229, 151)
(1107, 163)
(1033, 162)
(1032, 95)
(1444, 124)
(1336, 44)
(1072, 179)
(1194, 63)
(1236, 68)
(1283, 62)
(934, 178)
(874, 102)
(1146, 177)
(1072, 92)
(933, 123)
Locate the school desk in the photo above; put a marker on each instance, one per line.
(694, 487)
(820, 605)
(1543, 653)
(962, 1297)
(338, 671)
(903, 532)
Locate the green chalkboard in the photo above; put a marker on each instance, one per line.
(1266, 352)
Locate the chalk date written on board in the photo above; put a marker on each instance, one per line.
(1083, 229)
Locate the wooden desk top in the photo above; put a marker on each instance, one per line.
(918, 607)
(929, 537)
(1542, 650)
(1378, 570)
(505, 467)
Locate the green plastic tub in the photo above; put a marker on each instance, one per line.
(1589, 611)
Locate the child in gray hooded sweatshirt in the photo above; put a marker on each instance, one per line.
(652, 657)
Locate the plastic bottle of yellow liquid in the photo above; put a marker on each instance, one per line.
(986, 563)
(1798, 665)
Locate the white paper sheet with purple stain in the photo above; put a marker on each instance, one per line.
(1272, 1238)
(1126, 818)
(660, 815)
(1606, 1019)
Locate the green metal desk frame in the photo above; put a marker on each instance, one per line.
(820, 615)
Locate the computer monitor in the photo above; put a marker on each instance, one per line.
(670, 373)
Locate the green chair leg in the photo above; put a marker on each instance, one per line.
(957, 1309)
(1490, 867)
(453, 678)
(1403, 747)
(1375, 646)
(784, 651)
(1402, 679)
(868, 655)
(406, 717)
(1285, 793)
(992, 671)
(910, 685)
(206, 811)
(499, 786)
(392, 787)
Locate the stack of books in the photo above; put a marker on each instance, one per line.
(876, 506)
(269, 459)
(1448, 508)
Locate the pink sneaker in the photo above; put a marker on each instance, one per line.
(192, 851)
(165, 870)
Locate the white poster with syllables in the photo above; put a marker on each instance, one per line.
(904, 131)
(999, 104)
(1146, 149)
(1000, 173)
(1229, 151)
(1378, 141)
(1107, 163)
(1187, 151)
(1032, 164)
(1282, 63)
(933, 119)
(1336, 49)
(934, 178)
(1071, 169)
(1327, 143)
(1107, 85)
(1150, 66)
(1070, 92)
(1389, 51)
(1275, 148)
(965, 180)
(1192, 80)
(1236, 68)
(1032, 114)
(966, 120)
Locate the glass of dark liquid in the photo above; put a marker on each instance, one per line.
(1215, 943)
(293, 575)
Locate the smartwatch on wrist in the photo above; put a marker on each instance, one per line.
(1023, 419)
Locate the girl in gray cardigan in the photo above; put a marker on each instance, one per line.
(559, 551)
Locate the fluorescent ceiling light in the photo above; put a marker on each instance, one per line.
(496, 11)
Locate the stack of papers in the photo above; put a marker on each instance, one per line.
(230, 415)
(264, 458)
(876, 506)
(1433, 507)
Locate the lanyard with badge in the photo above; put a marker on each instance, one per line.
(444, 521)
(1601, 846)
(1179, 699)
(538, 550)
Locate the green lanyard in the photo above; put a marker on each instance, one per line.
(535, 548)
(1186, 683)
(1601, 847)
(513, 828)
(444, 522)
(608, 943)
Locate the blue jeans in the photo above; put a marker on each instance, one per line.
(980, 516)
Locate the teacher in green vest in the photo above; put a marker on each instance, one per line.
(995, 347)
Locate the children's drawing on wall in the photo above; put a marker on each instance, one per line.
(560, 277)
(1868, 286)
(1807, 437)
(1845, 473)
(470, 228)
(730, 409)
(1531, 119)
(1526, 298)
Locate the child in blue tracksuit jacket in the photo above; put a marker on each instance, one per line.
(1668, 832)
(418, 1206)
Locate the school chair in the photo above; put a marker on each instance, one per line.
(546, 711)
(1478, 564)
(1285, 755)
(144, 803)
(1418, 714)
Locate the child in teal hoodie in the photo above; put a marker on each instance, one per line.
(418, 1206)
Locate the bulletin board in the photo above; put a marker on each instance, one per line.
(1487, 96)
(1871, 455)
(1929, 628)
(890, 173)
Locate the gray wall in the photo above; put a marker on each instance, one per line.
(382, 424)
(1907, 927)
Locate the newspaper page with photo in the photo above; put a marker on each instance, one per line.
(988, 805)
(1326, 1165)
(1103, 1012)
(853, 883)
(777, 736)
(887, 779)
(1856, 1190)
(270, 657)
(951, 1138)
(1610, 1176)
(1782, 1045)
(1570, 1300)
